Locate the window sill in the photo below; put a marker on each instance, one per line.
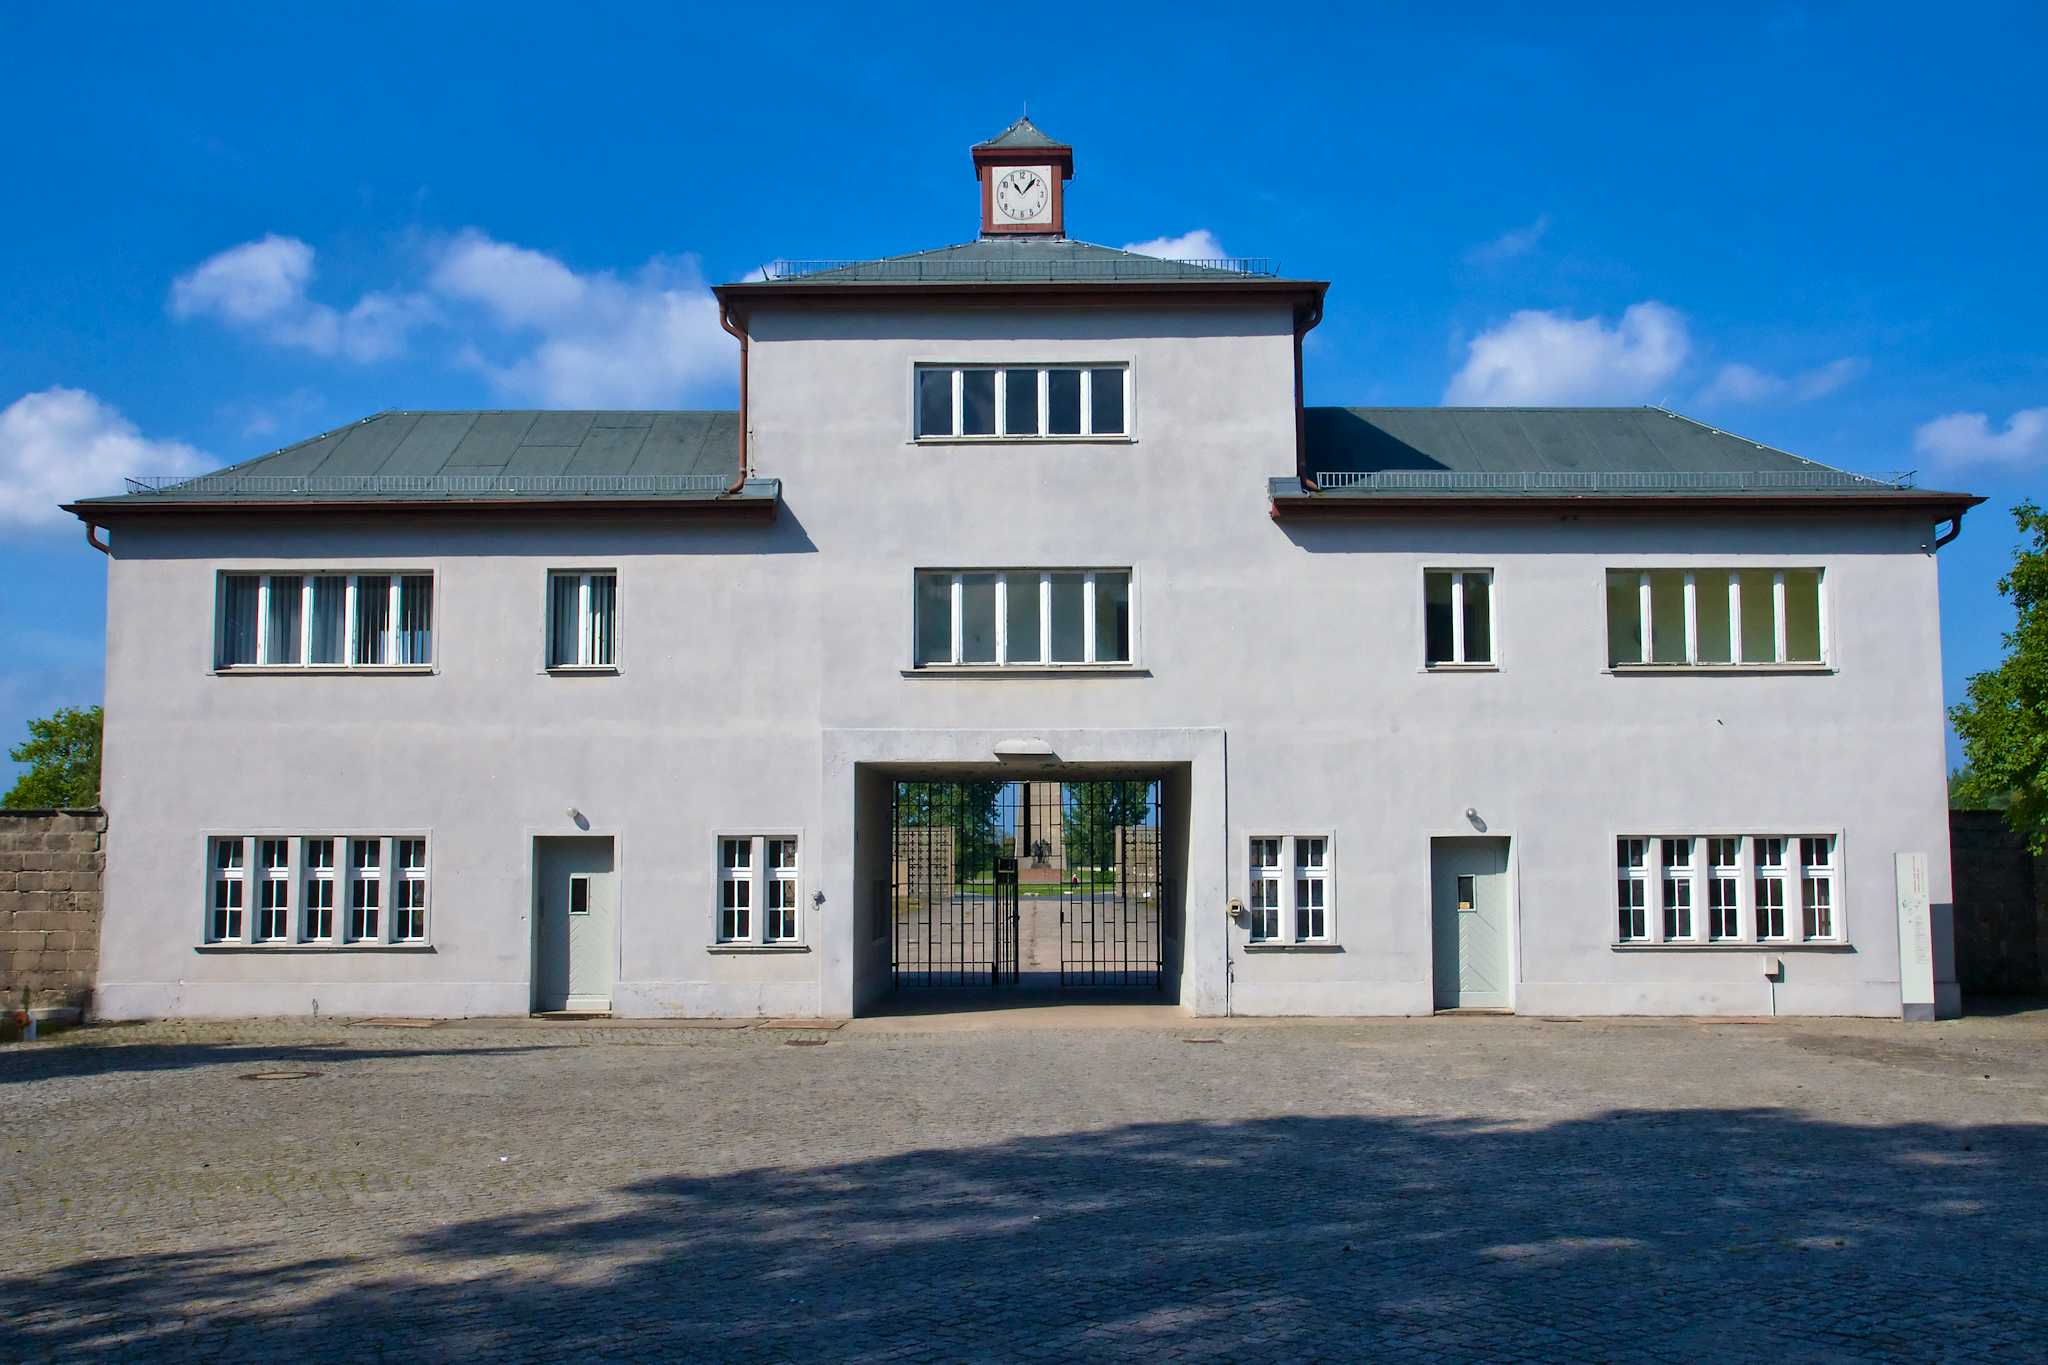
(582, 670)
(321, 670)
(1294, 947)
(1461, 668)
(1829, 946)
(312, 947)
(1719, 670)
(1027, 671)
(746, 948)
(1023, 440)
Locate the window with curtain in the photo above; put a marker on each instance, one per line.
(329, 620)
(583, 618)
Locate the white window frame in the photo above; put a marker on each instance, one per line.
(1635, 873)
(235, 878)
(1678, 889)
(1824, 877)
(585, 618)
(1750, 875)
(410, 881)
(1458, 660)
(1284, 879)
(274, 892)
(1043, 368)
(266, 579)
(762, 883)
(371, 878)
(1039, 580)
(321, 881)
(1779, 627)
(338, 881)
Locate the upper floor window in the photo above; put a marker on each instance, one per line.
(1018, 403)
(1457, 617)
(325, 621)
(1715, 617)
(1023, 617)
(583, 619)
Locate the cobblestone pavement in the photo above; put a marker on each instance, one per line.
(1506, 1188)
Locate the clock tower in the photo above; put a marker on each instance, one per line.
(1023, 175)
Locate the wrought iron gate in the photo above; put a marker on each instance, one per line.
(995, 883)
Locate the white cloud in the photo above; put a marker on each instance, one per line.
(260, 287)
(1510, 244)
(1965, 438)
(60, 444)
(1540, 357)
(1199, 245)
(585, 339)
(1740, 384)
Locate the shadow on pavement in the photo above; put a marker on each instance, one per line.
(18, 1066)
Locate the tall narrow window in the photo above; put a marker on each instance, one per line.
(274, 890)
(735, 890)
(582, 619)
(1724, 884)
(365, 890)
(1632, 884)
(409, 911)
(1771, 874)
(1063, 402)
(1106, 402)
(319, 897)
(1677, 887)
(781, 924)
(1265, 889)
(1311, 888)
(1715, 617)
(1001, 618)
(1020, 403)
(1457, 616)
(373, 623)
(281, 631)
(230, 890)
(1817, 888)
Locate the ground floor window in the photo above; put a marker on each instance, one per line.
(1289, 888)
(1745, 881)
(319, 865)
(759, 870)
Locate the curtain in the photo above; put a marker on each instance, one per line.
(330, 602)
(415, 619)
(281, 630)
(238, 620)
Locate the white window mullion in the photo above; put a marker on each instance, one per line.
(263, 619)
(586, 633)
(348, 623)
(1778, 616)
(1002, 618)
(1044, 610)
(757, 922)
(1458, 618)
(1692, 619)
(1087, 392)
(1088, 618)
(1044, 394)
(306, 620)
(1734, 616)
(391, 623)
(959, 394)
(1820, 606)
(1653, 891)
(1643, 615)
(959, 608)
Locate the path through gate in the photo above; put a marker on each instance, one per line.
(998, 884)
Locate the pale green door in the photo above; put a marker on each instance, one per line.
(1469, 893)
(576, 923)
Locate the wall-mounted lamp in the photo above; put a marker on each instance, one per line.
(1472, 815)
(577, 818)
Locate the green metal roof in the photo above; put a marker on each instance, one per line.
(1058, 260)
(480, 456)
(1382, 453)
(1022, 133)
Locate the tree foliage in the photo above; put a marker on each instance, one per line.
(63, 756)
(2004, 724)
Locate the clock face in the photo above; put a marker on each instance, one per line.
(1024, 195)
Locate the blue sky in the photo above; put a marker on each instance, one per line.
(233, 227)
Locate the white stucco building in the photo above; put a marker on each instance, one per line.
(1358, 711)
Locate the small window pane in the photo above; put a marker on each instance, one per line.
(238, 619)
(1436, 617)
(1759, 633)
(1478, 618)
(1667, 616)
(977, 402)
(579, 895)
(978, 618)
(1802, 616)
(1023, 622)
(373, 619)
(1710, 592)
(935, 402)
(282, 629)
(330, 600)
(415, 637)
(1112, 618)
(1069, 625)
(1020, 402)
(1624, 619)
(934, 618)
(564, 590)
(1106, 402)
(1063, 402)
(604, 596)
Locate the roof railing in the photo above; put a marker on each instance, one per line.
(1603, 481)
(1108, 268)
(423, 485)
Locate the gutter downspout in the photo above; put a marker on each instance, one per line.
(93, 540)
(1304, 321)
(1955, 528)
(725, 320)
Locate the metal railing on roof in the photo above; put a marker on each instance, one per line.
(424, 485)
(1606, 481)
(944, 268)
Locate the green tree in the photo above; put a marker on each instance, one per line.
(2004, 724)
(1094, 811)
(63, 756)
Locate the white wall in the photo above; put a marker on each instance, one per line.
(761, 667)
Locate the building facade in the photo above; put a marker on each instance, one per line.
(1383, 710)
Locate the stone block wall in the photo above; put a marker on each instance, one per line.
(50, 866)
(2001, 914)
